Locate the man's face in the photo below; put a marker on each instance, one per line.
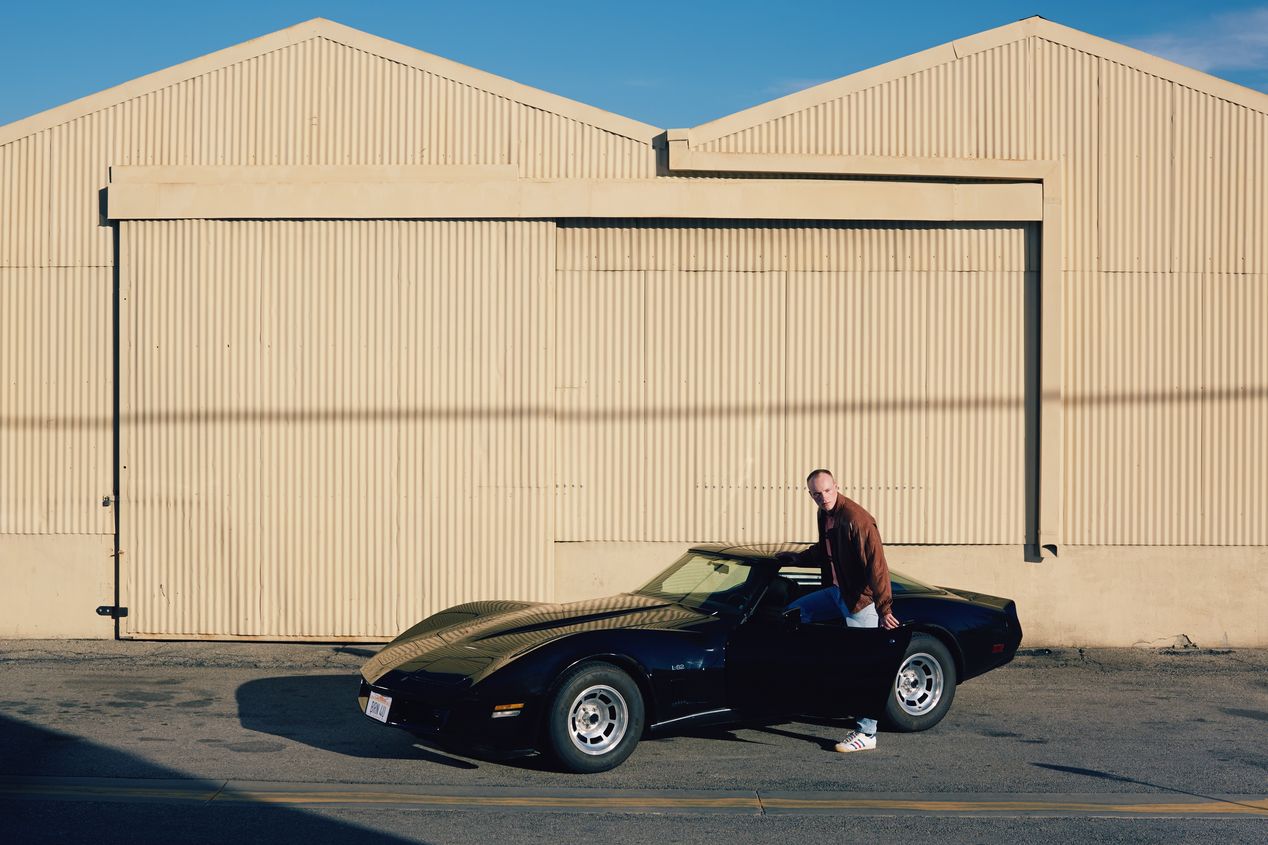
(823, 489)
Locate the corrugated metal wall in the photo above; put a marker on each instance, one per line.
(1168, 376)
(316, 102)
(1235, 408)
(1168, 420)
(1068, 131)
(977, 107)
(1136, 416)
(316, 413)
(56, 372)
(704, 368)
(1135, 161)
(333, 428)
(313, 103)
(1164, 211)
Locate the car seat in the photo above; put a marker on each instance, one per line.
(775, 599)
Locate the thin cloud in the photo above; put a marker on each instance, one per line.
(1232, 41)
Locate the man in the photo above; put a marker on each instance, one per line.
(854, 575)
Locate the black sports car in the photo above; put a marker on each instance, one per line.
(708, 640)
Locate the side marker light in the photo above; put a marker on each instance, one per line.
(505, 711)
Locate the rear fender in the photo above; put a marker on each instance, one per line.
(945, 637)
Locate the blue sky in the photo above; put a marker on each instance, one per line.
(669, 64)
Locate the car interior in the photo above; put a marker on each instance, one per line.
(787, 587)
(773, 603)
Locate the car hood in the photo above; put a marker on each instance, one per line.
(469, 646)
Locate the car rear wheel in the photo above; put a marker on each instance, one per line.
(923, 688)
(595, 718)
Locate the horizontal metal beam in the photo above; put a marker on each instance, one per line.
(334, 193)
(683, 158)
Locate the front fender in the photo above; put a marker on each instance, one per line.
(648, 656)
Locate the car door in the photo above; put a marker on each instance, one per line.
(779, 666)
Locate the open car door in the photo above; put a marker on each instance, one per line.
(777, 665)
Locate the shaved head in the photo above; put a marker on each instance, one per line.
(823, 489)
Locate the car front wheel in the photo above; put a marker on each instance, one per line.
(595, 718)
(923, 688)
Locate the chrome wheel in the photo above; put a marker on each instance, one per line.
(919, 684)
(598, 719)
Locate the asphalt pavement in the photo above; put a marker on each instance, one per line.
(212, 742)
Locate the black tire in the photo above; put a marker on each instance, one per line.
(594, 719)
(923, 688)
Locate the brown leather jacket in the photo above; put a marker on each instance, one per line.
(857, 557)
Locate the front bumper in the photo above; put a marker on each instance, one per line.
(468, 720)
(420, 717)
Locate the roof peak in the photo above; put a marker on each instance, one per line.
(1033, 26)
(350, 37)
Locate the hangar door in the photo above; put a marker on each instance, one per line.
(704, 367)
(328, 428)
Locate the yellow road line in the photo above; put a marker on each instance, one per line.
(1255, 808)
(597, 800)
(611, 801)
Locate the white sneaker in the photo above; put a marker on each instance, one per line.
(856, 741)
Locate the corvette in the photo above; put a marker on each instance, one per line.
(709, 640)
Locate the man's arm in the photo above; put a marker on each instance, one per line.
(872, 553)
(815, 555)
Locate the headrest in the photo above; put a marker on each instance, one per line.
(778, 591)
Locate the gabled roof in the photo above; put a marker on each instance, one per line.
(949, 52)
(320, 27)
(627, 127)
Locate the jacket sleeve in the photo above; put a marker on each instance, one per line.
(817, 555)
(872, 553)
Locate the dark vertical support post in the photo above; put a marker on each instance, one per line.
(1033, 342)
(115, 352)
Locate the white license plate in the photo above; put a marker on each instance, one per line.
(378, 706)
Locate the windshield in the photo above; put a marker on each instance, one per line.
(701, 582)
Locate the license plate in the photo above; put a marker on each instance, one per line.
(378, 706)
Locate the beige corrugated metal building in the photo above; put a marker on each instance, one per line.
(318, 334)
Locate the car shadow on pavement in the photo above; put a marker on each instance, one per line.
(823, 742)
(720, 734)
(321, 711)
(834, 728)
(726, 733)
(354, 651)
(59, 787)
